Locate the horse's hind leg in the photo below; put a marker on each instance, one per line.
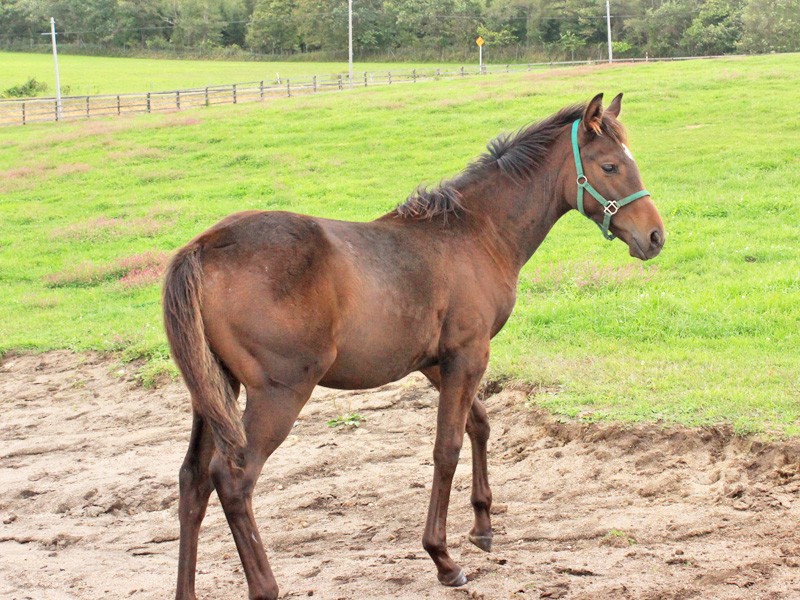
(195, 488)
(268, 419)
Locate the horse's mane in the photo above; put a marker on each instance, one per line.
(518, 155)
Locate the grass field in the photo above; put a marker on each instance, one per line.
(705, 333)
(85, 75)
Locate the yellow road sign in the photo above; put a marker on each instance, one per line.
(479, 41)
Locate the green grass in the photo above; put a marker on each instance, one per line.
(86, 75)
(350, 419)
(706, 333)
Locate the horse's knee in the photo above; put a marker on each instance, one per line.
(447, 450)
(446, 460)
(481, 431)
(478, 423)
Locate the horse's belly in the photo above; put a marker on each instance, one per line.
(374, 359)
(343, 376)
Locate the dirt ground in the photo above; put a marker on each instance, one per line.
(88, 500)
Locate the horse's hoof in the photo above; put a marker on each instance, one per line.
(457, 581)
(484, 542)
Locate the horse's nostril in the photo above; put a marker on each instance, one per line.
(656, 238)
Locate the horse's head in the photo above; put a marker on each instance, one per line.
(607, 181)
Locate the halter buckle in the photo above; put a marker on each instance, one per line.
(582, 183)
(611, 208)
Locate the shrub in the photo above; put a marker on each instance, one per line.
(32, 87)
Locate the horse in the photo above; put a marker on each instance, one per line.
(280, 303)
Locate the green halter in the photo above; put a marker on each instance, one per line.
(610, 207)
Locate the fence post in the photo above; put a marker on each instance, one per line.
(206, 96)
(288, 89)
(148, 101)
(365, 79)
(508, 68)
(462, 71)
(178, 99)
(315, 83)
(119, 107)
(340, 81)
(390, 78)
(23, 113)
(234, 93)
(261, 89)
(438, 72)
(529, 66)
(56, 107)
(87, 107)
(414, 75)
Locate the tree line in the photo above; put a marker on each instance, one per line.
(413, 29)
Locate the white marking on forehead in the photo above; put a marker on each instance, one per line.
(628, 152)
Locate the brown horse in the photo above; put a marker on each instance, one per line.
(281, 303)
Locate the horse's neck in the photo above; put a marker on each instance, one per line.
(517, 215)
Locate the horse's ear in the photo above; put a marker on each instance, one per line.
(615, 106)
(593, 115)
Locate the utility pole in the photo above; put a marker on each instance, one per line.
(52, 35)
(350, 38)
(608, 23)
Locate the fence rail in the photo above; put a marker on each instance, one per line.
(38, 110)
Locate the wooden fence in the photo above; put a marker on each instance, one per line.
(37, 110)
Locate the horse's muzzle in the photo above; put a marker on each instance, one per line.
(648, 248)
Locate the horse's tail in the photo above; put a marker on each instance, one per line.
(212, 394)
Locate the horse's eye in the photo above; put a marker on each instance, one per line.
(609, 168)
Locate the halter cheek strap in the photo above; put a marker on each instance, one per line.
(610, 207)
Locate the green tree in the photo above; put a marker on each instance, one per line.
(512, 16)
(322, 25)
(195, 23)
(496, 38)
(139, 22)
(235, 14)
(272, 27)
(660, 31)
(436, 24)
(17, 19)
(374, 28)
(570, 42)
(771, 26)
(716, 29)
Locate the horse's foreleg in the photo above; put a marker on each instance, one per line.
(195, 488)
(481, 498)
(460, 376)
(268, 419)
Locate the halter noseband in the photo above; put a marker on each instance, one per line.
(610, 207)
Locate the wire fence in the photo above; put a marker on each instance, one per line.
(70, 108)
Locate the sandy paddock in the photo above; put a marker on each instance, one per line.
(88, 499)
